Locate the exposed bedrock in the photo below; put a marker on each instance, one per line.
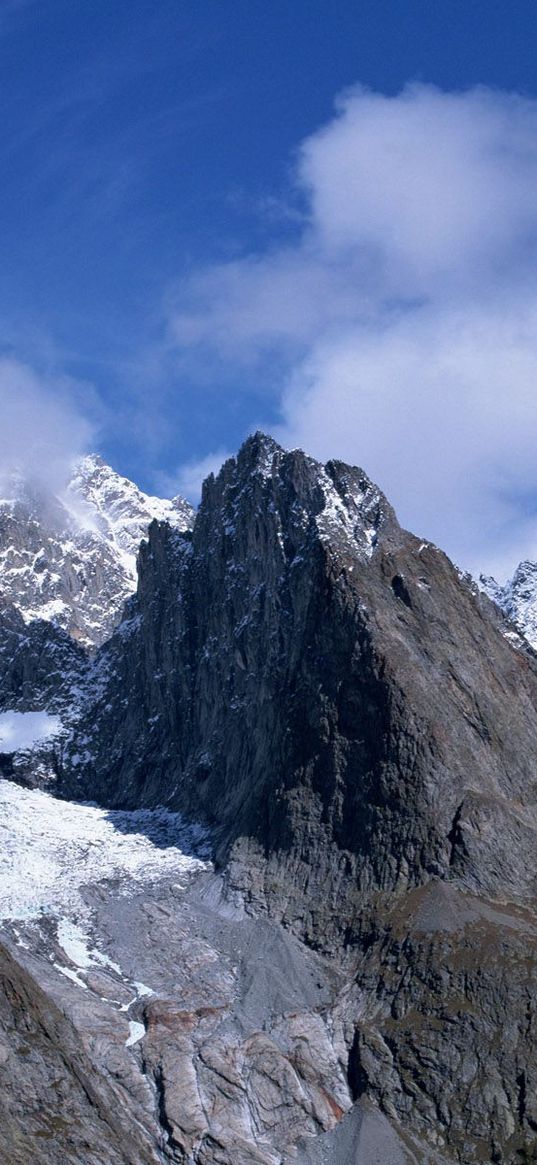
(358, 726)
(325, 690)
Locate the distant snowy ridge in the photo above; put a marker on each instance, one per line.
(118, 509)
(70, 558)
(517, 598)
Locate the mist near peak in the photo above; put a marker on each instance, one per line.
(44, 430)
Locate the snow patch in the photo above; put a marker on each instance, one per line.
(72, 975)
(76, 945)
(137, 1033)
(142, 991)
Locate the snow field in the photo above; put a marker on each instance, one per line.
(50, 849)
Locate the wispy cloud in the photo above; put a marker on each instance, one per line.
(44, 427)
(189, 477)
(405, 312)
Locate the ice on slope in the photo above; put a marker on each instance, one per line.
(51, 849)
(137, 1033)
(76, 945)
(82, 953)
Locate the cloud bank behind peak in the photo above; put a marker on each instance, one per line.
(404, 311)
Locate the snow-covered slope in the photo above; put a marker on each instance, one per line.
(70, 558)
(50, 850)
(518, 598)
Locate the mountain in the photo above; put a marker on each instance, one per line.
(297, 667)
(281, 908)
(518, 598)
(70, 559)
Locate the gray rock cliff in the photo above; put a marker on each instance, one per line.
(355, 980)
(324, 689)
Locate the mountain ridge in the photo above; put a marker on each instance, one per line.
(353, 725)
(69, 557)
(517, 598)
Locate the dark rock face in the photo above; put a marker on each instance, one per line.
(326, 691)
(346, 712)
(41, 669)
(446, 1034)
(39, 664)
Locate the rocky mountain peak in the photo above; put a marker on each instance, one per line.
(517, 598)
(118, 508)
(335, 501)
(288, 647)
(69, 556)
(323, 702)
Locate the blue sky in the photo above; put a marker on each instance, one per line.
(171, 169)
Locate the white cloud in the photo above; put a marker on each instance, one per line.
(189, 478)
(20, 730)
(439, 408)
(440, 186)
(43, 427)
(405, 312)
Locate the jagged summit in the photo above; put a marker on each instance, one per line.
(119, 508)
(517, 598)
(345, 716)
(338, 500)
(69, 557)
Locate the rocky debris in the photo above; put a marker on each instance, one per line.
(213, 1060)
(446, 1034)
(62, 1095)
(70, 559)
(365, 1136)
(250, 1048)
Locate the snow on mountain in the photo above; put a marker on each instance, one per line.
(70, 558)
(517, 598)
(50, 850)
(116, 508)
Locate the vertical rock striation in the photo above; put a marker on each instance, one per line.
(325, 690)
